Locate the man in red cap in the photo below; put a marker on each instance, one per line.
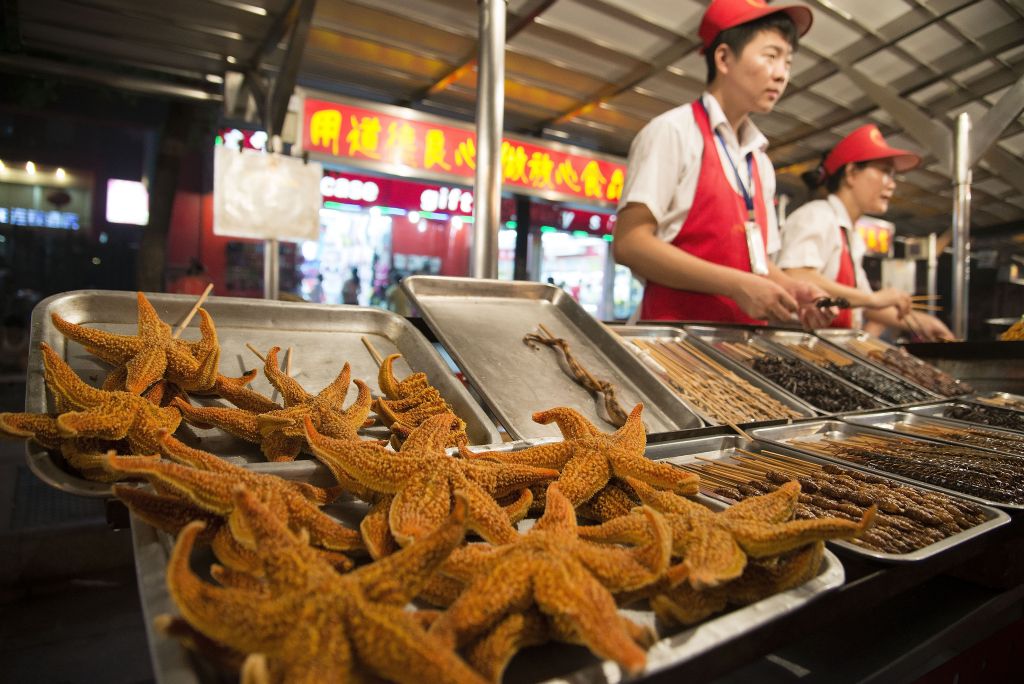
(696, 218)
(820, 245)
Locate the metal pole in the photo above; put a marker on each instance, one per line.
(490, 114)
(933, 266)
(961, 224)
(270, 269)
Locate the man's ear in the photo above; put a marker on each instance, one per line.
(723, 58)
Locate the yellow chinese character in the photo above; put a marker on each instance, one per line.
(593, 180)
(872, 240)
(615, 185)
(567, 176)
(541, 167)
(883, 242)
(513, 162)
(465, 154)
(325, 129)
(401, 144)
(434, 153)
(364, 138)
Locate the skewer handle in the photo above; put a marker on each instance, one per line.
(191, 314)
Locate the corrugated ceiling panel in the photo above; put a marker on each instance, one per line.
(879, 14)
(885, 66)
(642, 106)
(546, 43)
(828, 36)
(977, 20)
(692, 66)
(580, 19)
(678, 16)
(931, 43)
(838, 88)
(804, 107)
(671, 88)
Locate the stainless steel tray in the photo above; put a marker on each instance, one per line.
(723, 448)
(172, 664)
(842, 337)
(981, 398)
(323, 339)
(482, 323)
(710, 336)
(779, 436)
(631, 332)
(786, 339)
(937, 411)
(892, 420)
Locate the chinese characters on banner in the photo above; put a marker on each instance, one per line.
(877, 235)
(359, 134)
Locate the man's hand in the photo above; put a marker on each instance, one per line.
(762, 298)
(806, 295)
(889, 296)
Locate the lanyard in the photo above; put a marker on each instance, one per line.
(747, 199)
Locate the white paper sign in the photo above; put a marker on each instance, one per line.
(264, 196)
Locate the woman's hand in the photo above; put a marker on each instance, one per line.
(889, 296)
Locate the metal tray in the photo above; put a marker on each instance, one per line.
(482, 323)
(779, 436)
(937, 410)
(722, 448)
(891, 420)
(785, 339)
(709, 336)
(980, 398)
(553, 662)
(842, 337)
(630, 332)
(323, 339)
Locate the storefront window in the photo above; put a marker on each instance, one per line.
(576, 264)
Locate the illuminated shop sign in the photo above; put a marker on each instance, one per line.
(455, 200)
(368, 191)
(877, 235)
(39, 218)
(395, 144)
(349, 189)
(235, 137)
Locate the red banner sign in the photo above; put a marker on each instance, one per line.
(364, 135)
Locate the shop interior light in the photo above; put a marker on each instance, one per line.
(30, 167)
(456, 223)
(607, 238)
(467, 219)
(432, 215)
(548, 229)
(59, 174)
(581, 233)
(342, 206)
(392, 211)
(511, 225)
(414, 217)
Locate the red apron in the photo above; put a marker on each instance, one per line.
(713, 231)
(846, 275)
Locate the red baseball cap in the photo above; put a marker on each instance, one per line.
(725, 14)
(867, 144)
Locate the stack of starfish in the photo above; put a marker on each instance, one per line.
(289, 603)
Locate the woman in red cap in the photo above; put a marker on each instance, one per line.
(820, 246)
(696, 219)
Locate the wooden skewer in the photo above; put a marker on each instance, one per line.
(925, 307)
(740, 431)
(288, 362)
(256, 352)
(192, 313)
(925, 296)
(373, 351)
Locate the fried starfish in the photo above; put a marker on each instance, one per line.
(589, 458)
(90, 412)
(567, 579)
(207, 482)
(312, 624)
(715, 546)
(87, 456)
(684, 605)
(280, 432)
(152, 353)
(406, 404)
(420, 480)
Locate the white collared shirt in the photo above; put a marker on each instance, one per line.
(664, 165)
(811, 239)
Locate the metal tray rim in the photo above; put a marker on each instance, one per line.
(894, 413)
(923, 408)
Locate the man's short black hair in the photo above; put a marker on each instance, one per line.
(737, 37)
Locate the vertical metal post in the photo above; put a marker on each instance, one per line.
(490, 115)
(271, 269)
(961, 224)
(606, 310)
(933, 266)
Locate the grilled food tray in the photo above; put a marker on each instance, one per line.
(721, 449)
(791, 339)
(844, 337)
(323, 338)
(938, 410)
(173, 664)
(994, 399)
(644, 332)
(894, 420)
(711, 337)
(482, 323)
(780, 436)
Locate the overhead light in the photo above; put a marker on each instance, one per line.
(214, 78)
(30, 168)
(231, 60)
(3, 167)
(60, 174)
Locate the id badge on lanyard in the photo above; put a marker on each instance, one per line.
(755, 244)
